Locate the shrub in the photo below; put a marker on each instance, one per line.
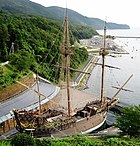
(22, 140)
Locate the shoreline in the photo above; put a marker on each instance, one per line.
(96, 43)
(80, 77)
(93, 46)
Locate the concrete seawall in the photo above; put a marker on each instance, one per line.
(81, 78)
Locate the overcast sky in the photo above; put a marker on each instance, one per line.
(118, 11)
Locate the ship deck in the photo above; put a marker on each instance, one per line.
(78, 99)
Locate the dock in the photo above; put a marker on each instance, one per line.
(132, 37)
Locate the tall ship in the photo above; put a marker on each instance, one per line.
(60, 122)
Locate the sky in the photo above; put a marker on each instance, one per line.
(117, 11)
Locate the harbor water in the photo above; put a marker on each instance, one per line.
(128, 63)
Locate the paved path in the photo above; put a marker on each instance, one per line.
(9, 134)
(109, 131)
(27, 99)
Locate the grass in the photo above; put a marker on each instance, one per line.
(15, 88)
(5, 143)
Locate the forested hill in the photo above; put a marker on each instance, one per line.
(32, 43)
(57, 13)
(76, 18)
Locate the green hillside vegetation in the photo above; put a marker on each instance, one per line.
(32, 43)
(83, 32)
(128, 121)
(24, 140)
(76, 18)
(57, 13)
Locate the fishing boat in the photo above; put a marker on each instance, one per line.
(60, 123)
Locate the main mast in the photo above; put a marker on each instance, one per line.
(103, 53)
(67, 65)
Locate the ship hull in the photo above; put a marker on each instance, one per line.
(82, 126)
(56, 124)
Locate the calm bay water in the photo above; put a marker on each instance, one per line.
(128, 64)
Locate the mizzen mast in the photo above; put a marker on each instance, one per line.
(39, 97)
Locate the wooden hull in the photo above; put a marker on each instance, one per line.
(82, 126)
(90, 118)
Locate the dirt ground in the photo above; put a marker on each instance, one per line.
(16, 88)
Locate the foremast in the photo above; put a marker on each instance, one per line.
(103, 53)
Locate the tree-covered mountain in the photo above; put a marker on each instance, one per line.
(33, 43)
(57, 13)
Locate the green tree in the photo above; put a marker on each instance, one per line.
(84, 32)
(22, 60)
(3, 41)
(32, 43)
(129, 120)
